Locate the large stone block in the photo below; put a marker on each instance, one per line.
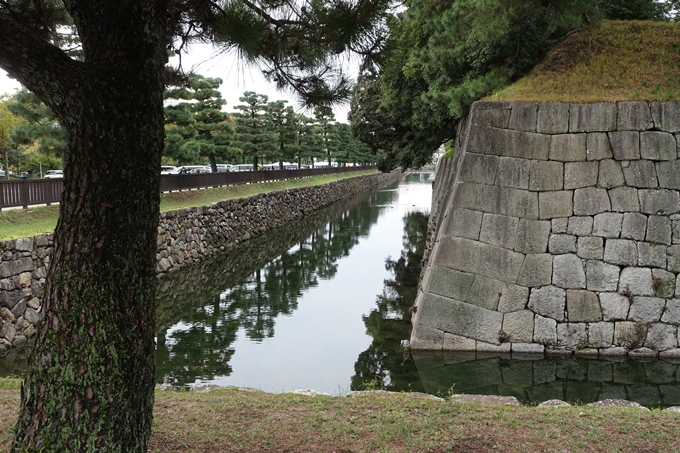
(615, 306)
(532, 236)
(465, 223)
(450, 283)
(509, 143)
(590, 248)
(601, 334)
(478, 258)
(673, 258)
(519, 326)
(669, 174)
(621, 252)
(580, 226)
(479, 168)
(659, 229)
(663, 283)
(661, 337)
(24, 245)
(591, 201)
(675, 224)
(658, 146)
(610, 174)
(646, 309)
(634, 226)
(546, 175)
(458, 343)
(629, 334)
(555, 204)
(578, 175)
(545, 331)
(524, 116)
(568, 272)
(608, 224)
(548, 301)
(659, 202)
(459, 318)
(499, 230)
(513, 298)
(536, 270)
(553, 118)
(601, 276)
(16, 267)
(624, 199)
(496, 200)
(572, 335)
(637, 281)
(666, 116)
(568, 147)
(634, 116)
(625, 145)
(513, 172)
(671, 314)
(560, 244)
(598, 146)
(641, 173)
(559, 225)
(651, 255)
(583, 306)
(593, 117)
(426, 338)
(485, 292)
(490, 114)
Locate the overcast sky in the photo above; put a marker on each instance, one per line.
(237, 77)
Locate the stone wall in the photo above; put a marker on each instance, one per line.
(561, 233)
(185, 237)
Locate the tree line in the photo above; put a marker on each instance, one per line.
(197, 131)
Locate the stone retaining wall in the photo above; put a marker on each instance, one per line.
(561, 233)
(185, 236)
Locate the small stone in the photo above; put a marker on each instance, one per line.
(580, 226)
(568, 272)
(608, 224)
(614, 306)
(590, 248)
(548, 301)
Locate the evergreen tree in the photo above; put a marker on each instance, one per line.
(309, 144)
(198, 129)
(90, 379)
(254, 134)
(40, 126)
(325, 118)
(8, 122)
(285, 126)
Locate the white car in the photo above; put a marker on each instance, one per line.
(54, 174)
(169, 170)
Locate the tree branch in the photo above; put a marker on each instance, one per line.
(38, 65)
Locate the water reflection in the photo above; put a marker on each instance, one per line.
(200, 310)
(534, 379)
(384, 363)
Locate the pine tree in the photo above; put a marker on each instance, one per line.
(325, 118)
(254, 131)
(285, 126)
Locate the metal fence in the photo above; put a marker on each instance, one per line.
(29, 192)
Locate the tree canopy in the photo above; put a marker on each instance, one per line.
(444, 55)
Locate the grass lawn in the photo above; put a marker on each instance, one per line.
(230, 420)
(18, 223)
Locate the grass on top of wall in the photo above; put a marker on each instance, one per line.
(18, 223)
(620, 61)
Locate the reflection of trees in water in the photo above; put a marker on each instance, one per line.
(200, 310)
(384, 363)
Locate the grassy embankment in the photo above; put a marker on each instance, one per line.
(621, 61)
(229, 420)
(17, 223)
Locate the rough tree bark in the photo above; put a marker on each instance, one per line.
(91, 374)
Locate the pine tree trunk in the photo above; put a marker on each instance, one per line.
(91, 375)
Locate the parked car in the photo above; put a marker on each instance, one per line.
(54, 174)
(169, 170)
(224, 168)
(201, 169)
(242, 167)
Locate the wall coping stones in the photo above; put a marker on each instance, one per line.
(564, 236)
